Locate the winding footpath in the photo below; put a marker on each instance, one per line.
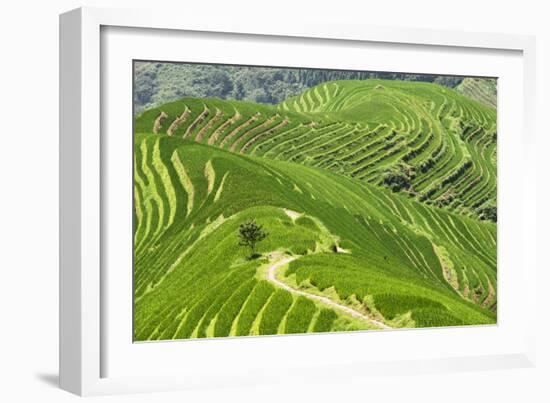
(272, 269)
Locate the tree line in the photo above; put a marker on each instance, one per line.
(156, 83)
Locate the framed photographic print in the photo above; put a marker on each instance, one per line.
(282, 201)
(240, 199)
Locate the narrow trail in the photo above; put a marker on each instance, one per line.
(272, 269)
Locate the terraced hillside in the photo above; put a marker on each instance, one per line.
(377, 197)
(420, 139)
(392, 261)
(483, 90)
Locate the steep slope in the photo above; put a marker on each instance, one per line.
(420, 139)
(393, 259)
(437, 145)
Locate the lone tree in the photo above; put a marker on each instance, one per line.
(250, 234)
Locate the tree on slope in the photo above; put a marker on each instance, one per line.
(250, 233)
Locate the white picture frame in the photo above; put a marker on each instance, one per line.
(85, 344)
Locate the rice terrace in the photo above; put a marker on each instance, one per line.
(277, 201)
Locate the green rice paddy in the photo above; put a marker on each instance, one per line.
(374, 191)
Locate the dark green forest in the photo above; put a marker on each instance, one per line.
(159, 82)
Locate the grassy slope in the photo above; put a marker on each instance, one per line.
(358, 129)
(408, 262)
(447, 138)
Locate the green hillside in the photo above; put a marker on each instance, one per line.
(421, 139)
(352, 244)
(190, 199)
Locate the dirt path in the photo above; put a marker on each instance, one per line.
(271, 271)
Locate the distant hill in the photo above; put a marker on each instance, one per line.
(483, 90)
(159, 83)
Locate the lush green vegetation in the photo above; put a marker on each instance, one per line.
(379, 196)
(420, 139)
(300, 316)
(193, 280)
(158, 83)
